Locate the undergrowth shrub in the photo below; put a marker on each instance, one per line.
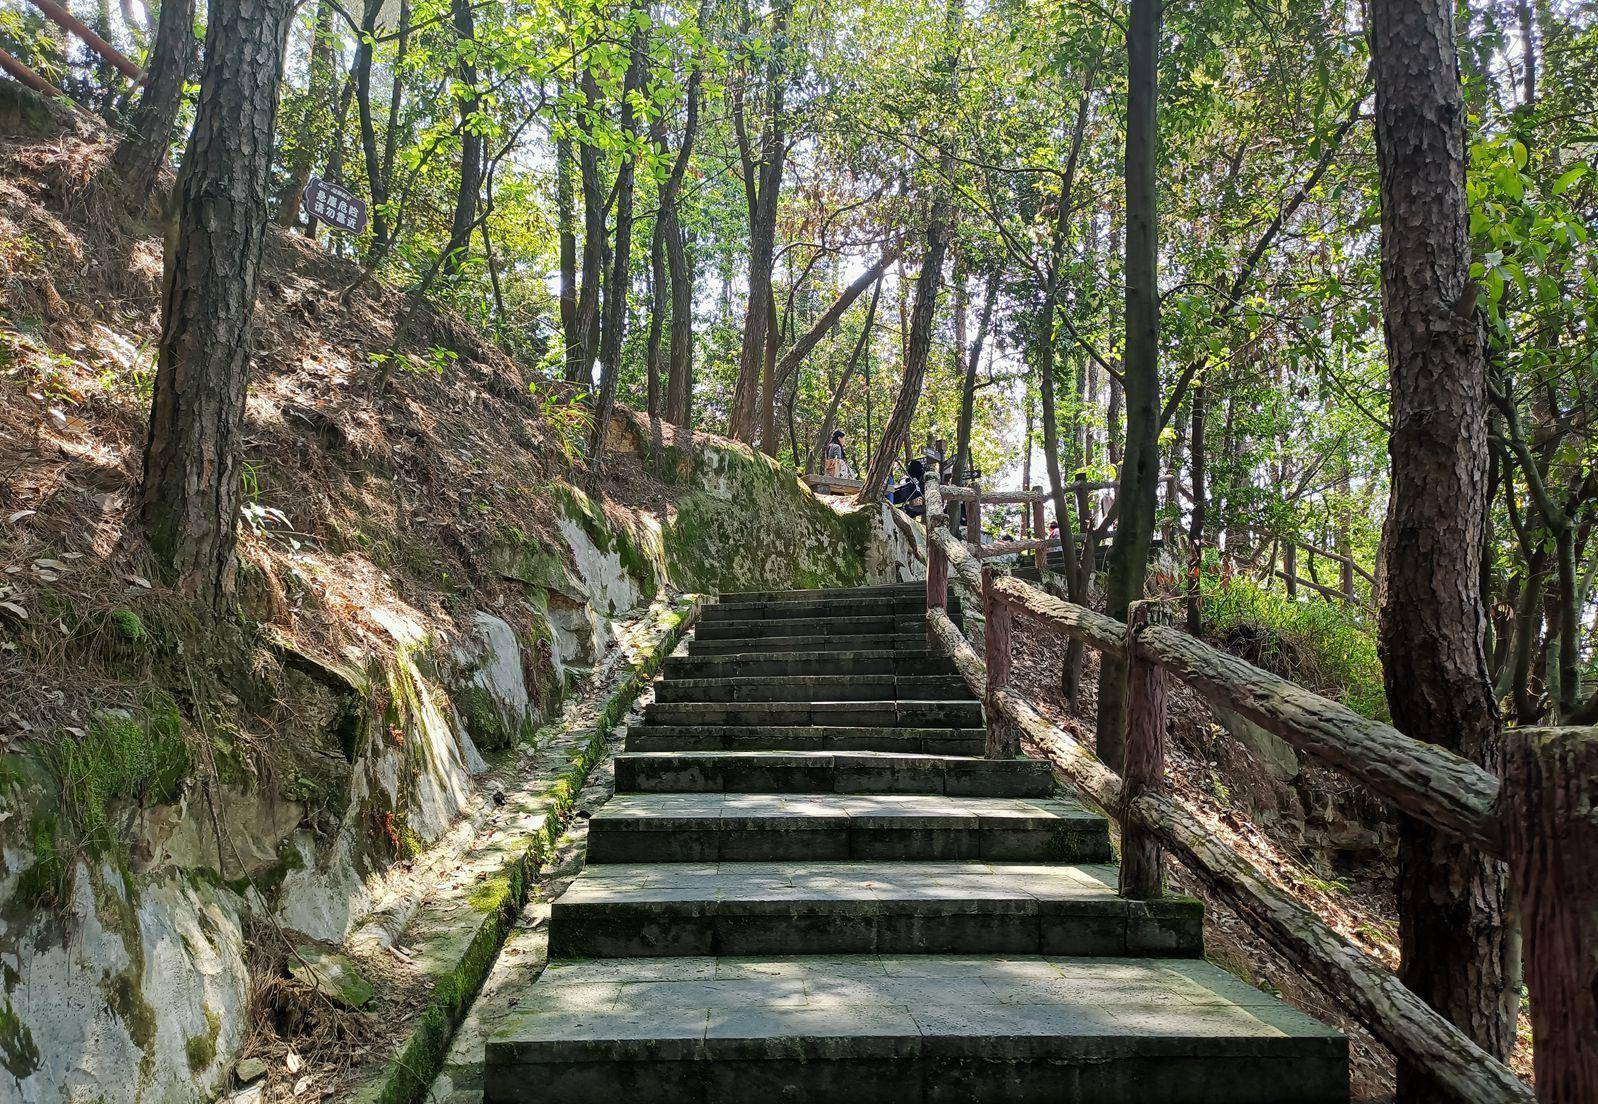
(1329, 647)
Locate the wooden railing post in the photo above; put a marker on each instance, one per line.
(1142, 868)
(1039, 530)
(1549, 810)
(1003, 742)
(937, 559)
(973, 520)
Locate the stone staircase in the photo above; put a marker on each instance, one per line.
(810, 887)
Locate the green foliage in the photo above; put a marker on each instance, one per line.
(1324, 645)
(120, 758)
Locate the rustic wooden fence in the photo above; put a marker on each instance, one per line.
(1541, 817)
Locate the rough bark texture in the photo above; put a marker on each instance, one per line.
(471, 182)
(142, 151)
(1551, 827)
(311, 126)
(566, 215)
(763, 185)
(1003, 740)
(581, 370)
(613, 326)
(190, 503)
(897, 431)
(1455, 944)
(1142, 869)
(1134, 528)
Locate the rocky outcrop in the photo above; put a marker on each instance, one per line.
(127, 966)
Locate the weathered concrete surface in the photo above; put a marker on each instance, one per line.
(830, 772)
(915, 1028)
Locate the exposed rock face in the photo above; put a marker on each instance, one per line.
(139, 981)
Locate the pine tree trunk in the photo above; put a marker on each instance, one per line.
(142, 151)
(307, 143)
(1455, 946)
(471, 182)
(594, 234)
(1136, 498)
(566, 216)
(190, 495)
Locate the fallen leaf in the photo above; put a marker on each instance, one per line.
(138, 580)
(19, 515)
(15, 610)
(293, 1062)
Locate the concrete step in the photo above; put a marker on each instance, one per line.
(848, 714)
(803, 908)
(844, 627)
(905, 640)
(888, 590)
(915, 1030)
(816, 688)
(829, 772)
(783, 664)
(908, 605)
(924, 741)
(694, 827)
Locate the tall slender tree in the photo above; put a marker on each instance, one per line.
(1140, 466)
(143, 148)
(190, 496)
(1454, 942)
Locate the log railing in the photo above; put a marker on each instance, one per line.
(1542, 817)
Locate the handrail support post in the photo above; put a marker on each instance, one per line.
(1003, 741)
(1142, 865)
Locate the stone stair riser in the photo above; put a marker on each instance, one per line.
(778, 927)
(699, 774)
(846, 839)
(814, 688)
(816, 664)
(929, 714)
(905, 643)
(920, 741)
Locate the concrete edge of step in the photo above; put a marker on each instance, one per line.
(407, 1074)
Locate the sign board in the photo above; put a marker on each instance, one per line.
(334, 205)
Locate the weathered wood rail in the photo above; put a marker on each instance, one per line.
(1541, 817)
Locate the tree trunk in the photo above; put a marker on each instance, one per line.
(471, 182)
(190, 494)
(142, 150)
(897, 431)
(614, 323)
(762, 184)
(1135, 500)
(376, 182)
(1195, 528)
(968, 388)
(843, 382)
(594, 239)
(1455, 946)
(680, 366)
(566, 220)
(309, 139)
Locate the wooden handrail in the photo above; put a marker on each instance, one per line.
(1543, 819)
(1422, 780)
(1010, 548)
(70, 23)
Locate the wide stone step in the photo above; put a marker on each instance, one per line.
(816, 688)
(913, 1030)
(886, 590)
(904, 641)
(692, 827)
(844, 627)
(926, 741)
(829, 772)
(849, 714)
(896, 606)
(804, 908)
(784, 664)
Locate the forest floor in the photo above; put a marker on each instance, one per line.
(378, 465)
(1226, 785)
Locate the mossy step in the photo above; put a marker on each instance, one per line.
(911, 642)
(830, 772)
(805, 908)
(843, 626)
(925, 1029)
(816, 688)
(928, 741)
(875, 714)
(780, 664)
(752, 827)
